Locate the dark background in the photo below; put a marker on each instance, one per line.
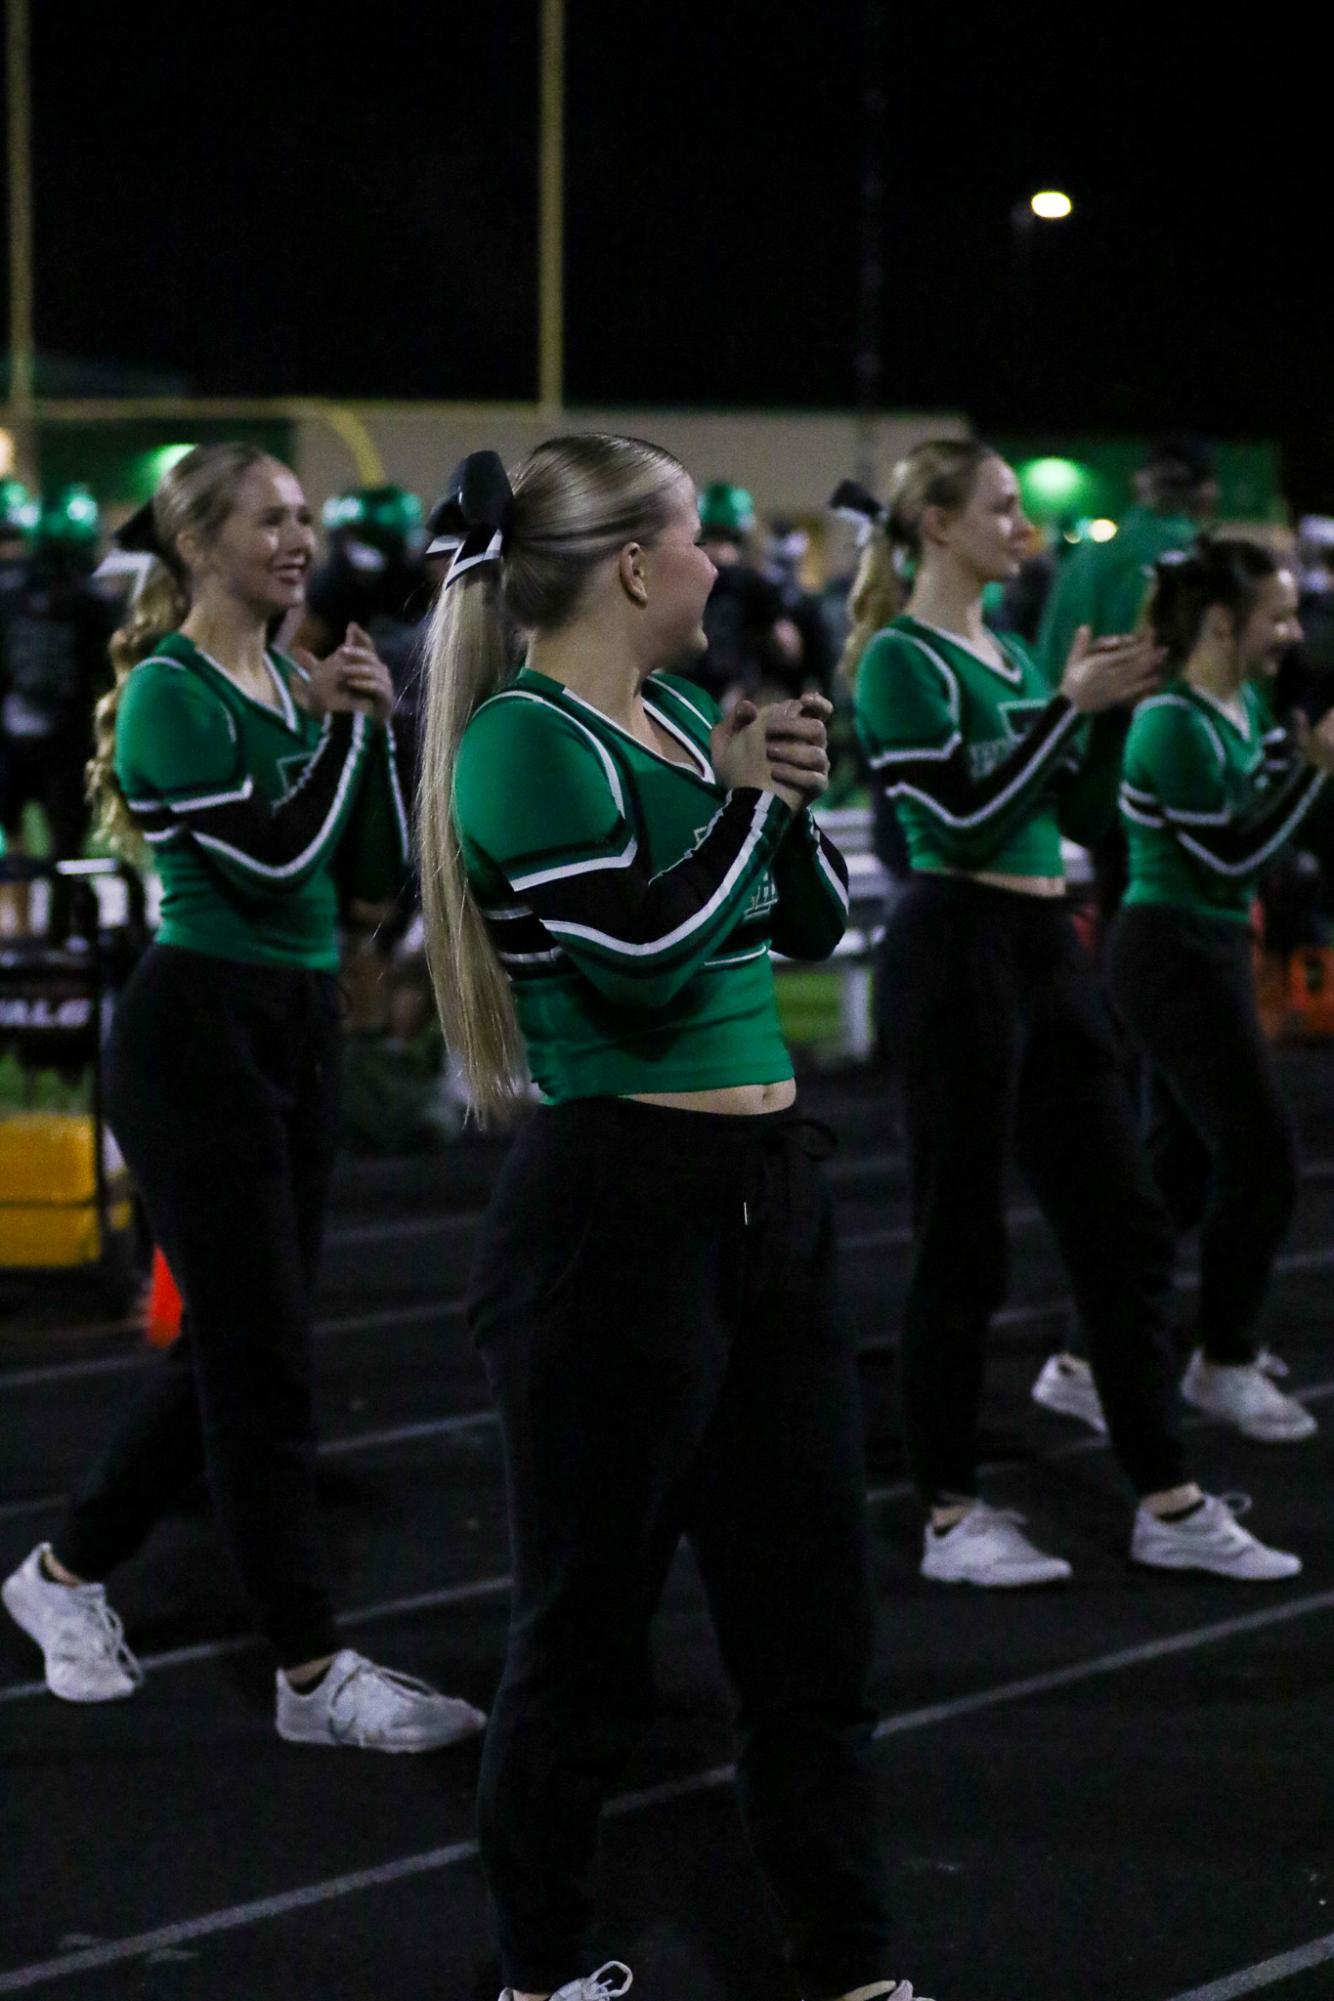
(267, 201)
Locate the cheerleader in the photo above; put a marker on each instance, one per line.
(1003, 1039)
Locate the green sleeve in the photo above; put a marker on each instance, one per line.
(910, 718)
(1086, 803)
(1173, 760)
(1176, 780)
(375, 855)
(541, 803)
(810, 877)
(180, 765)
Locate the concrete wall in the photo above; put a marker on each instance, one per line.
(790, 461)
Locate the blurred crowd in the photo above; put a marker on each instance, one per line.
(776, 624)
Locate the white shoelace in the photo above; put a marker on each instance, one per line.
(402, 1686)
(598, 1985)
(983, 1515)
(107, 1634)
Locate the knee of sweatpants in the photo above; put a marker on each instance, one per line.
(1257, 1169)
(963, 1280)
(563, 1655)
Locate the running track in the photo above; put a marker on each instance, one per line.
(1118, 1792)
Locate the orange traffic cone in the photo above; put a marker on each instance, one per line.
(163, 1316)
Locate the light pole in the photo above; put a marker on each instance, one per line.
(22, 372)
(1048, 206)
(551, 213)
(870, 314)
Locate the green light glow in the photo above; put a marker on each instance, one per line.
(165, 457)
(1053, 483)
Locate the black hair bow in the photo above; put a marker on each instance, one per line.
(474, 516)
(139, 535)
(853, 502)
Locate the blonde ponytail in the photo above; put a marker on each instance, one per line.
(575, 502)
(157, 610)
(940, 473)
(467, 661)
(198, 493)
(876, 597)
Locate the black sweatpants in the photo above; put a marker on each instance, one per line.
(222, 1090)
(1220, 1135)
(654, 1297)
(1004, 1044)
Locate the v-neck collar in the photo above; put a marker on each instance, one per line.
(1006, 670)
(700, 768)
(1243, 728)
(285, 718)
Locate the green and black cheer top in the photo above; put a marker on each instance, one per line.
(986, 765)
(260, 819)
(1208, 800)
(632, 901)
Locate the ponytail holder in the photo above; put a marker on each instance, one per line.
(855, 503)
(474, 517)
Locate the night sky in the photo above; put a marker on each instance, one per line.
(262, 204)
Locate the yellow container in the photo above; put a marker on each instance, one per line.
(48, 1190)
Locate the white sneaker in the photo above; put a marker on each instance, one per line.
(1066, 1385)
(1244, 1395)
(597, 1987)
(880, 1990)
(83, 1641)
(988, 1547)
(373, 1709)
(1210, 1539)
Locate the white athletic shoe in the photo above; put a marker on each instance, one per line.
(371, 1708)
(597, 1987)
(83, 1641)
(1244, 1395)
(1210, 1539)
(988, 1547)
(1066, 1385)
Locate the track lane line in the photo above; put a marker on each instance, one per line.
(117, 1951)
(389, 1317)
(456, 1594)
(1266, 1973)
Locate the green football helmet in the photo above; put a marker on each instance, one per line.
(726, 510)
(385, 517)
(70, 520)
(19, 512)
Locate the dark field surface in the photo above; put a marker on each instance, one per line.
(1118, 1791)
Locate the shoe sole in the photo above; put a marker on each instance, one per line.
(1212, 1570)
(461, 1736)
(1000, 1583)
(14, 1606)
(1254, 1432)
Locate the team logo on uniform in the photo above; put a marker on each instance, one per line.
(765, 897)
(1017, 719)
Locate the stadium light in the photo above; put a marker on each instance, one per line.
(1050, 205)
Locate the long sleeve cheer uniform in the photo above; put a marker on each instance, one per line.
(654, 1297)
(222, 1089)
(1208, 799)
(1003, 1041)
